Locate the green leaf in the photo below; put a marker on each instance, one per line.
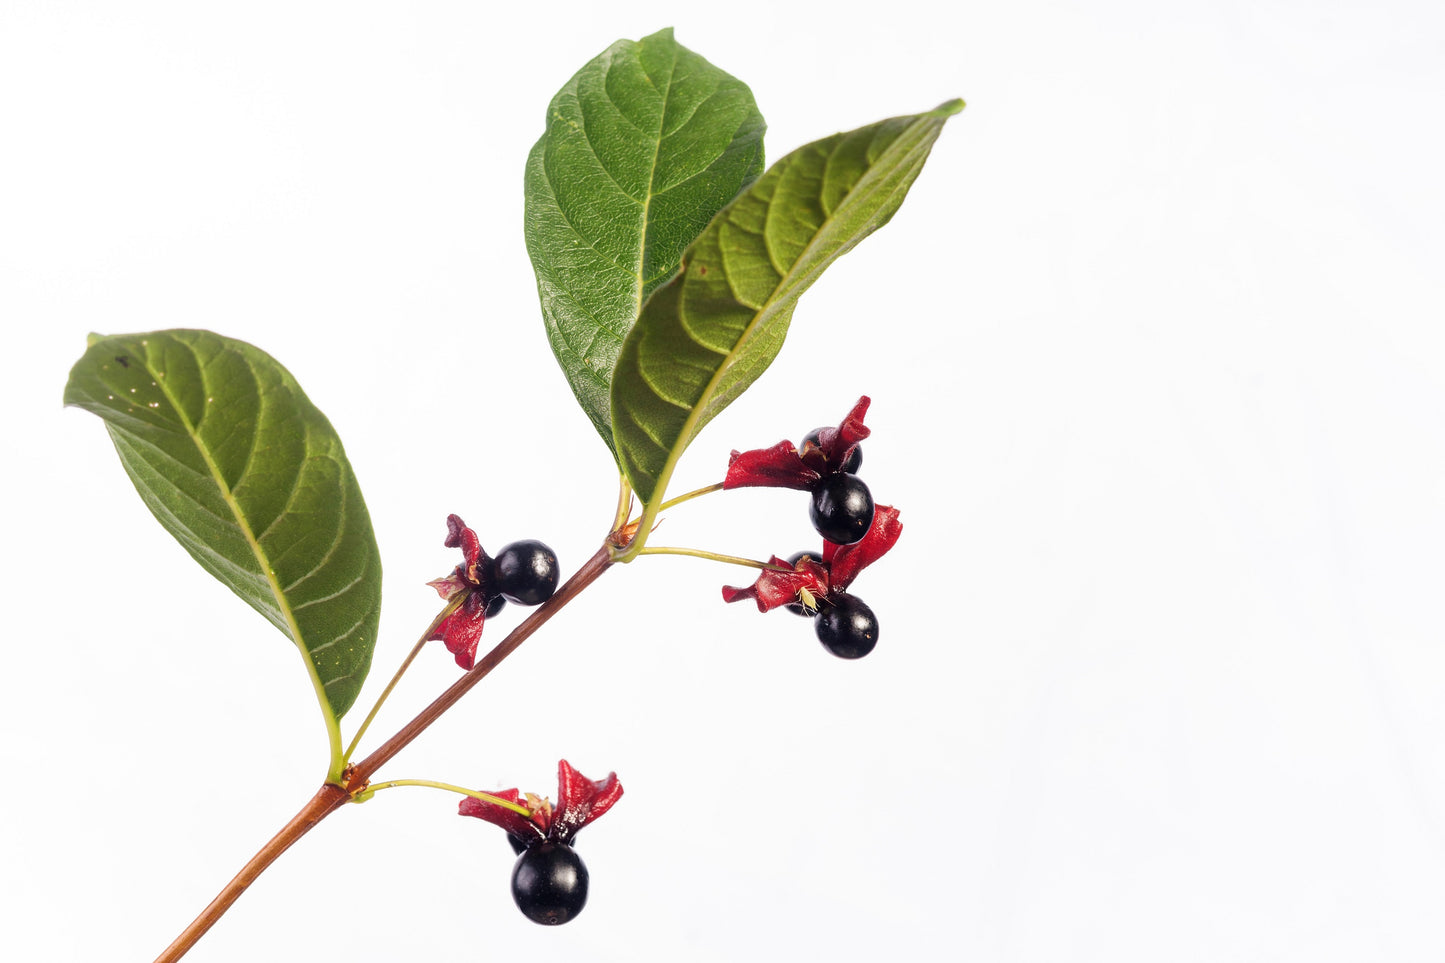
(707, 335)
(643, 146)
(246, 473)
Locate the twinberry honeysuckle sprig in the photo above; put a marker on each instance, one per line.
(231, 457)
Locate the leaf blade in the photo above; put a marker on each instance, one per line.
(643, 146)
(249, 476)
(708, 334)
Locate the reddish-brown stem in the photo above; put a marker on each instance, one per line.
(330, 797)
(583, 577)
(327, 800)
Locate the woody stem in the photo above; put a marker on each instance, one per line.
(331, 796)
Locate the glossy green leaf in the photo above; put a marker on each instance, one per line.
(707, 335)
(251, 479)
(643, 146)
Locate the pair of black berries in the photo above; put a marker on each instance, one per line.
(842, 512)
(523, 572)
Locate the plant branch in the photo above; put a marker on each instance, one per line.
(331, 796)
(328, 799)
(583, 577)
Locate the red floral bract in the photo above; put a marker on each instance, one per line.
(774, 588)
(579, 801)
(784, 466)
(846, 561)
(819, 578)
(462, 630)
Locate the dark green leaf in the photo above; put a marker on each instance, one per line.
(708, 334)
(643, 146)
(251, 479)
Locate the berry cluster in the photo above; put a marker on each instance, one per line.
(524, 573)
(855, 532)
(549, 879)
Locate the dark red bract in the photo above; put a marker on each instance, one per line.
(579, 801)
(784, 466)
(462, 630)
(836, 570)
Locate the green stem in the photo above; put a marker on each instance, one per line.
(432, 784)
(624, 503)
(448, 609)
(696, 493)
(643, 524)
(643, 527)
(714, 556)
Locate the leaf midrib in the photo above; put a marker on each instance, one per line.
(333, 728)
(651, 184)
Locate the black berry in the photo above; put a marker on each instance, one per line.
(526, 572)
(797, 608)
(847, 627)
(549, 883)
(851, 464)
(842, 510)
(495, 604)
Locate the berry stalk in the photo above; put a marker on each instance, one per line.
(448, 609)
(711, 556)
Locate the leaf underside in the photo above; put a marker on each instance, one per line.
(643, 146)
(708, 334)
(251, 479)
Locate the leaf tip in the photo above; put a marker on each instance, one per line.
(93, 338)
(662, 36)
(948, 108)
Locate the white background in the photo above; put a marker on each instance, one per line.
(1158, 371)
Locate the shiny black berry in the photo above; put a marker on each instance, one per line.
(842, 509)
(850, 465)
(525, 572)
(847, 627)
(549, 883)
(798, 608)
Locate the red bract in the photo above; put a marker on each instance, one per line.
(579, 801)
(774, 588)
(784, 466)
(462, 630)
(846, 561)
(838, 568)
